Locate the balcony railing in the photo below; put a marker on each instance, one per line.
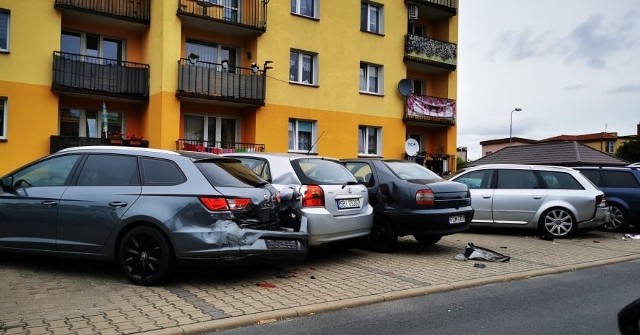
(430, 51)
(249, 14)
(95, 75)
(221, 82)
(423, 109)
(59, 142)
(443, 3)
(218, 147)
(130, 10)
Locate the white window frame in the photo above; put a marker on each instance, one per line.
(610, 147)
(5, 114)
(366, 72)
(295, 8)
(6, 28)
(82, 120)
(101, 38)
(314, 67)
(365, 22)
(421, 84)
(365, 146)
(218, 134)
(296, 126)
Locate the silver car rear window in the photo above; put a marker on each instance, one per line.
(229, 173)
(321, 171)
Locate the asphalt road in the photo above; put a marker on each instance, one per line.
(579, 302)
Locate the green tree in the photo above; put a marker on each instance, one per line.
(629, 151)
(461, 163)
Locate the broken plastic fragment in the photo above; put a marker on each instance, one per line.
(478, 253)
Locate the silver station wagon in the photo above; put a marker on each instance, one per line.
(147, 209)
(336, 206)
(554, 200)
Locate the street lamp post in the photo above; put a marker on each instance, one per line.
(511, 123)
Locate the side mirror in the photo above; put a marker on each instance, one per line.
(629, 319)
(7, 183)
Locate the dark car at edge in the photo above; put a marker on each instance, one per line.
(409, 199)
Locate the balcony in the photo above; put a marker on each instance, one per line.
(79, 74)
(435, 9)
(249, 18)
(137, 11)
(429, 55)
(58, 142)
(423, 110)
(221, 83)
(218, 147)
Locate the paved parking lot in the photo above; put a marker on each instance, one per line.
(57, 296)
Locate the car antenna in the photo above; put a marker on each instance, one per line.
(314, 143)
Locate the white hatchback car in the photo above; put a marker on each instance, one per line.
(336, 206)
(554, 200)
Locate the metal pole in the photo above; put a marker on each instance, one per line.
(511, 123)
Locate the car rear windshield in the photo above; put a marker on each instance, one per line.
(411, 171)
(228, 173)
(321, 171)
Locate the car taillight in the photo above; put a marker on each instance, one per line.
(313, 196)
(601, 201)
(225, 204)
(425, 198)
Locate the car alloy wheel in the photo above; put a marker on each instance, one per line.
(144, 255)
(558, 222)
(617, 220)
(383, 237)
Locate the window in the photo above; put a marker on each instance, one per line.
(302, 134)
(212, 129)
(90, 123)
(415, 29)
(517, 179)
(610, 147)
(212, 53)
(94, 46)
(370, 78)
(321, 171)
(371, 17)
(259, 166)
(229, 9)
(369, 140)
(109, 170)
(303, 68)
(51, 172)
(362, 172)
(3, 118)
(419, 87)
(4, 29)
(619, 179)
(560, 180)
(477, 179)
(305, 7)
(159, 172)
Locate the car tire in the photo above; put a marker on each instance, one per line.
(145, 256)
(618, 220)
(383, 236)
(558, 223)
(427, 239)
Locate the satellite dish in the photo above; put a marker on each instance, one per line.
(405, 87)
(411, 147)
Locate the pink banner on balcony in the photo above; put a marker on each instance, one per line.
(420, 105)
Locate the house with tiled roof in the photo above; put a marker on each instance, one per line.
(563, 153)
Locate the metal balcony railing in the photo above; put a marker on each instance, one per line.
(424, 109)
(218, 147)
(130, 10)
(428, 50)
(80, 73)
(59, 142)
(251, 14)
(443, 3)
(221, 82)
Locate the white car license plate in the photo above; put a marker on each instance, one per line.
(348, 203)
(456, 219)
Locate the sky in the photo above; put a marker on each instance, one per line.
(572, 66)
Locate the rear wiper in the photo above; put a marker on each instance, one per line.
(351, 182)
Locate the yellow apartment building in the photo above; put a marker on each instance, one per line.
(327, 77)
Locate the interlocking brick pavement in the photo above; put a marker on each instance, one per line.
(43, 295)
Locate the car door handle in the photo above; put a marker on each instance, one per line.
(486, 196)
(118, 204)
(537, 197)
(49, 203)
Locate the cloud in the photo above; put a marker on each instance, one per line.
(521, 45)
(627, 88)
(574, 87)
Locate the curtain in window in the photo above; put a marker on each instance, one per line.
(304, 135)
(291, 132)
(373, 19)
(373, 79)
(194, 127)
(363, 77)
(293, 66)
(306, 7)
(372, 141)
(307, 69)
(362, 132)
(206, 53)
